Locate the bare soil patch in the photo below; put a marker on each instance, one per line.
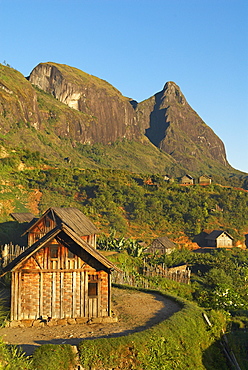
(135, 310)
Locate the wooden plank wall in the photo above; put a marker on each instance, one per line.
(57, 294)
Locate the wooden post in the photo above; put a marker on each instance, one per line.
(62, 295)
(74, 295)
(53, 301)
(82, 303)
(86, 298)
(12, 297)
(41, 295)
(19, 302)
(99, 298)
(109, 295)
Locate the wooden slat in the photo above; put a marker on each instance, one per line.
(45, 263)
(41, 295)
(19, 302)
(53, 308)
(109, 294)
(15, 295)
(52, 270)
(99, 295)
(62, 295)
(12, 313)
(89, 308)
(93, 307)
(86, 299)
(74, 294)
(82, 303)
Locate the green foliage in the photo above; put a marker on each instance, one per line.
(53, 357)
(12, 358)
(221, 279)
(110, 243)
(124, 202)
(176, 343)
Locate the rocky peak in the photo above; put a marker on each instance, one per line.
(172, 93)
(174, 127)
(112, 115)
(48, 77)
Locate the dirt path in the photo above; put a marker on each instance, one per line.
(135, 310)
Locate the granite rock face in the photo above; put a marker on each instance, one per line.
(85, 109)
(174, 127)
(112, 115)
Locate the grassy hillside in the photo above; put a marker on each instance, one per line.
(126, 202)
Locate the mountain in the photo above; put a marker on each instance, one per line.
(63, 112)
(108, 115)
(174, 127)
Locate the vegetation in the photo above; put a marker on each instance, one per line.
(53, 357)
(176, 343)
(45, 357)
(12, 358)
(127, 203)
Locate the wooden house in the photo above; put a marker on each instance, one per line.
(205, 180)
(61, 274)
(22, 217)
(161, 245)
(187, 180)
(219, 239)
(72, 217)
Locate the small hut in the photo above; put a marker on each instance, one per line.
(161, 245)
(205, 180)
(187, 180)
(219, 239)
(61, 274)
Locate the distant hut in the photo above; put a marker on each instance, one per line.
(205, 180)
(219, 239)
(161, 245)
(187, 180)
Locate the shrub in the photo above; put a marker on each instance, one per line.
(54, 357)
(12, 358)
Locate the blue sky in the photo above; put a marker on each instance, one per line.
(139, 45)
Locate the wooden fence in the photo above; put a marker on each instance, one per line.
(9, 252)
(139, 280)
(181, 274)
(136, 280)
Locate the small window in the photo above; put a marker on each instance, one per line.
(54, 252)
(92, 289)
(70, 254)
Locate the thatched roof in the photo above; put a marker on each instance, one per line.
(22, 217)
(71, 217)
(58, 233)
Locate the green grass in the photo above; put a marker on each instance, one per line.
(53, 357)
(176, 343)
(12, 358)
